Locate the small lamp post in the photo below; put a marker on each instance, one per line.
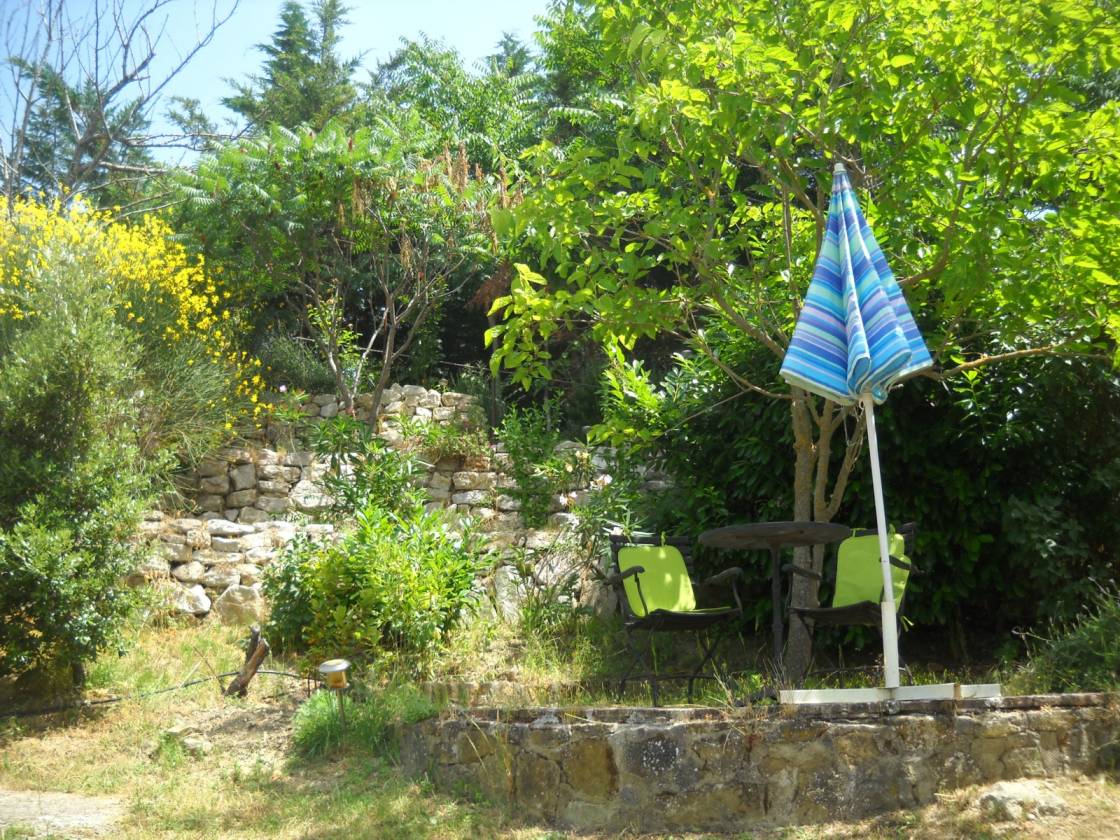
(334, 676)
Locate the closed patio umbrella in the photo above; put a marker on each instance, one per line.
(854, 338)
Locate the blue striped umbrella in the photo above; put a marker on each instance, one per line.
(854, 338)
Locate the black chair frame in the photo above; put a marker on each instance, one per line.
(864, 613)
(703, 624)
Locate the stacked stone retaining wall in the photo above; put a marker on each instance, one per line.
(692, 769)
(246, 502)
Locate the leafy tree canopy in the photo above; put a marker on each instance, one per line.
(304, 79)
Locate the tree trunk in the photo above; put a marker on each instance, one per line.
(803, 591)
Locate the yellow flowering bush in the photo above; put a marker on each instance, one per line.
(196, 385)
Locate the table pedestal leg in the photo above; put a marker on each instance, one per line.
(776, 596)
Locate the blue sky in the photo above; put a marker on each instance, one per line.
(375, 30)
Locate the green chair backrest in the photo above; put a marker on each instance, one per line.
(858, 573)
(665, 582)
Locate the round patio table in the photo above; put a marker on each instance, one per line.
(775, 536)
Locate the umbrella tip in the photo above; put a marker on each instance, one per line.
(838, 168)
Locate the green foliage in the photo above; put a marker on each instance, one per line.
(365, 473)
(393, 585)
(445, 439)
(287, 585)
(294, 363)
(708, 200)
(539, 471)
(373, 718)
(71, 479)
(493, 112)
(1079, 655)
(354, 235)
(391, 588)
(305, 80)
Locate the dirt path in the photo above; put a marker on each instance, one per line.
(35, 814)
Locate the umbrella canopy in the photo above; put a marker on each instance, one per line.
(855, 334)
(854, 338)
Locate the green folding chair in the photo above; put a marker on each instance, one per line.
(657, 595)
(858, 580)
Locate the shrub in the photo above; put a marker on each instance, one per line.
(295, 364)
(394, 586)
(537, 469)
(364, 472)
(72, 478)
(1081, 655)
(192, 382)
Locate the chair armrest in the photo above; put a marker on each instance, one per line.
(724, 577)
(798, 570)
(619, 578)
(906, 566)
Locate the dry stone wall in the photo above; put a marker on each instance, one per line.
(690, 769)
(247, 502)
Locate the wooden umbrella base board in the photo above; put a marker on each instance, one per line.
(940, 691)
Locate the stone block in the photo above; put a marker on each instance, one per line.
(471, 497)
(308, 497)
(192, 600)
(236, 455)
(225, 544)
(231, 514)
(243, 476)
(438, 494)
(508, 503)
(466, 480)
(225, 528)
(253, 516)
(242, 605)
(297, 459)
(496, 540)
(221, 576)
(274, 488)
(210, 467)
(278, 472)
(422, 413)
(440, 481)
(478, 463)
(213, 487)
(271, 504)
(170, 553)
(250, 573)
(563, 520)
(267, 457)
(454, 398)
(329, 410)
(500, 522)
(442, 414)
(260, 556)
(191, 572)
(186, 525)
(151, 568)
(241, 498)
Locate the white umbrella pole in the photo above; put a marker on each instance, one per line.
(890, 626)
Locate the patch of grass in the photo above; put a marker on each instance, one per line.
(371, 725)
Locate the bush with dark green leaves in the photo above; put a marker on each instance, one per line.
(71, 477)
(1079, 655)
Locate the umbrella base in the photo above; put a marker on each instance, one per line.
(940, 691)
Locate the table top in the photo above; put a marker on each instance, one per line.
(770, 535)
